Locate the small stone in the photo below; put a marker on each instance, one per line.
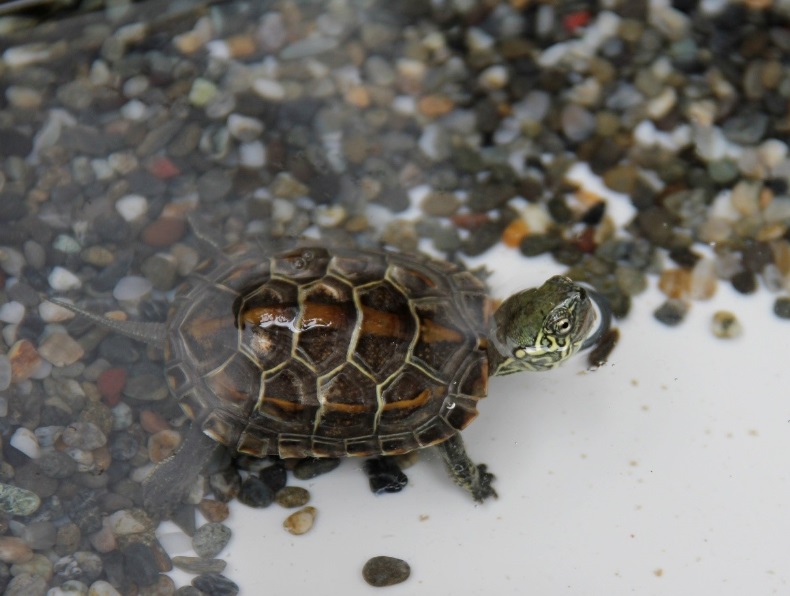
(199, 565)
(671, 312)
(274, 476)
(744, 282)
(5, 375)
(110, 384)
(132, 289)
(164, 231)
(26, 584)
(703, 282)
(68, 539)
(152, 422)
(225, 484)
(102, 588)
(202, 92)
(434, 106)
(269, 89)
(384, 571)
(61, 349)
(12, 312)
(301, 521)
(215, 584)
(210, 539)
(214, 511)
(163, 444)
(725, 325)
(26, 441)
(129, 521)
(494, 77)
(312, 467)
(14, 550)
(139, 562)
(577, 122)
(782, 307)
(18, 501)
(132, 207)
(384, 475)
(254, 493)
(24, 360)
(252, 155)
(244, 128)
(622, 178)
(83, 435)
(440, 204)
(63, 280)
(675, 283)
(291, 497)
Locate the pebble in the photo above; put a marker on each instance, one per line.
(26, 584)
(18, 501)
(83, 435)
(782, 307)
(291, 497)
(210, 539)
(312, 467)
(26, 441)
(671, 312)
(164, 231)
(274, 476)
(301, 521)
(132, 289)
(5, 373)
(269, 89)
(63, 280)
(384, 571)
(725, 325)
(214, 511)
(102, 588)
(139, 563)
(14, 550)
(255, 493)
(199, 565)
(215, 584)
(61, 349)
(12, 312)
(163, 444)
(132, 207)
(38, 565)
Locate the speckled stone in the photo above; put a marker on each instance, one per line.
(384, 571)
(199, 564)
(782, 307)
(210, 539)
(18, 501)
(671, 312)
(292, 497)
(215, 584)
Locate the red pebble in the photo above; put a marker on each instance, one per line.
(164, 231)
(586, 240)
(574, 20)
(163, 168)
(469, 221)
(152, 422)
(110, 383)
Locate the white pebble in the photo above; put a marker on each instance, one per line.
(125, 522)
(132, 207)
(122, 416)
(63, 280)
(252, 155)
(25, 441)
(131, 288)
(12, 312)
(777, 210)
(11, 260)
(134, 110)
(244, 128)
(269, 89)
(494, 77)
(47, 435)
(26, 55)
(772, 152)
(52, 313)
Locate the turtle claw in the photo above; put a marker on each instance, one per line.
(482, 489)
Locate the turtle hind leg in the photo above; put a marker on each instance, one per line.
(464, 472)
(171, 479)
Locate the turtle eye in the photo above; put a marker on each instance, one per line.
(561, 324)
(520, 353)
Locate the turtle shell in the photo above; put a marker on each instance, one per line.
(328, 352)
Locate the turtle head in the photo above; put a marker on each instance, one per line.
(540, 328)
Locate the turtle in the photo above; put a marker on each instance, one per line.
(317, 351)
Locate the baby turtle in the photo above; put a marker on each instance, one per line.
(319, 352)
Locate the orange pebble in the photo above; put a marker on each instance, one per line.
(514, 233)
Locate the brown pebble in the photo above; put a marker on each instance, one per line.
(152, 422)
(214, 511)
(301, 521)
(292, 496)
(385, 571)
(14, 550)
(725, 325)
(163, 444)
(24, 360)
(164, 231)
(434, 106)
(675, 283)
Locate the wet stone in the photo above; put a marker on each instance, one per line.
(146, 387)
(40, 535)
(274, 476)
(83, 435)
(214, 511)
(301, 521)
(26, 584)
(538, 244)
(68, 539)
(18, 501)
(210, 539)
(671, 312)
(215, 584)
(38, 565)
(384, 571)
(199, 565)
(225, 484)
(744, 282)
(254, 493)
(140, 564)
(384, 475)
(782, 307)
(33, 479)
(82, 565)
(56, 464)
(312, 467)
(291, 497)
(14, 550)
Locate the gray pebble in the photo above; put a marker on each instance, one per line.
(210, 539)
(782, 307)
(215, 584)
(255, 493)
(140, 564)
(199, 565)
(26, 584)
(385, 571)
(671, 312)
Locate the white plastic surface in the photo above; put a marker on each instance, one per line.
(666, 471)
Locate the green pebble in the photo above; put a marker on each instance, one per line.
(18, 501)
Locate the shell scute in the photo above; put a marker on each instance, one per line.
(348, 404)
(358, 271)
(443, 341)
(288, 399)
(405, 397)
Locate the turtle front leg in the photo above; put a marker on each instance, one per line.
(472, 478)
